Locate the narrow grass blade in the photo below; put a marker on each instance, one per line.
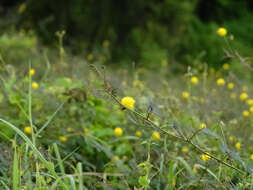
(47, 164)
(15, 172)
(186, 165)
(80, 175)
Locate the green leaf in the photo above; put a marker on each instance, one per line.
(144, 181)
(15, 172)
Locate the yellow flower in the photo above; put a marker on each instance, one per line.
(137, 83)
(222, 32)
(195, 167)
(220, 82)
(32, 72)
(238, 145)
(128, 102)
(243, 96)
(202, 125)
(115, 158)
(233, 95)
(63, 139)
(35, 85)
(226, 66)
(156, 136)
(245, 113)
(205, 157)
(185, 150)
(250, 102)
(251, 109)
(194, 80)
(85, 130)
(28, 130)
(138, 133)
(231, 138)
(174, 182)
(69, 129)
(106, 43)
(164, 63)
(245, 88)
(21, 8)
(202, 100)
(230, 85)
(118, 131)
(185, 95)
(251, 157)
(90, 57)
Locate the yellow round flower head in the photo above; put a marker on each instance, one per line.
(164, 63)
(231, 138)
(238, 145)
(63, 139)
(90, 57)
(251, 109)
(245, 88)
(251, 157)
(222, 32)
(118, 131)
(185, 150)
(195, 168)
(233, 95)
(194, 80)
(226, 66)
(243, 96)
(138, 133)
(128, 102)
(106, 43)
(230, 85)
(220, 82)
(205, 157)
(250, 102)
(69, 129)
(115, 158)
(32, 72)
(35, 85)
(245, 113)
(185, 95)
(28, 130)
(156, 136)
(202, 125)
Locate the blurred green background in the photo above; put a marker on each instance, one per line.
(148, 33)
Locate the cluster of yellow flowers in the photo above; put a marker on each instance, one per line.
(35, 85)
(238, 145)
(63, 139)
(185, 149)
(194, 80)
(185, 95)
(222, 32)
(202, 125)
(226, 66)
(205, 157)
(90, 57)
(119, 132)
(128, 102)
(221, 82)
(28, 130)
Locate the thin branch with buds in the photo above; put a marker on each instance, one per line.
(156, 127)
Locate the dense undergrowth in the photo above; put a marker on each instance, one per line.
(69, 123)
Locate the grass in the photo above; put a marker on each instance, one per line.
(203, 137)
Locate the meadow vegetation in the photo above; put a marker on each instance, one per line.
(73, 123)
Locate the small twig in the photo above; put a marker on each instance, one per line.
(195, 133)
(101, 175)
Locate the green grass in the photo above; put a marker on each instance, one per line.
(75, 109)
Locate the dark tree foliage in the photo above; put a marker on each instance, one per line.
(143, 31)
